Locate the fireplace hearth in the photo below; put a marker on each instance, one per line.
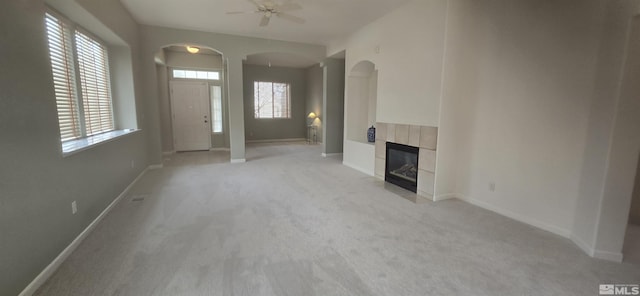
(402, 166)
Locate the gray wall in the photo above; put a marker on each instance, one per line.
(193, 61)
(273, 129)
(333, 107)
(634, 214)
(37, 185)
(315, 97)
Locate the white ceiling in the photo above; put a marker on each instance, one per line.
(326, 20)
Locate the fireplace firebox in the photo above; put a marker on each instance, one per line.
(402, 166)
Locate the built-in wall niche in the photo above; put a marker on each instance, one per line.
(362, 91)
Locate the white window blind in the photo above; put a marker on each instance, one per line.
(64, 80)
(93, 67)
(80, 68)
(272, 100)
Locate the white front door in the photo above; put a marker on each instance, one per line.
(191, 118)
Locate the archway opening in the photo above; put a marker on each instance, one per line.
(280, 91)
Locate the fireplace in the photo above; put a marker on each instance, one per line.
(402, 166)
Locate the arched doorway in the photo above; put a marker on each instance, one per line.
(177, 68)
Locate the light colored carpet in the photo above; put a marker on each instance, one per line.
(290, 222)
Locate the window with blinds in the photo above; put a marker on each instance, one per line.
(64, 80)
(271, 100)
(80, 68)
(93, 68)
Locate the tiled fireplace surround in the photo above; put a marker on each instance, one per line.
(423, 137)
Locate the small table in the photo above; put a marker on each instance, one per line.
(312, 137)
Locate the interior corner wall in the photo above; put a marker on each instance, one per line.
(455, 109)
(314, 98)
(277, 128)
(519, 82)
(38, 184)
(623, 154)
(164, 106)
(611, 58)
(333, 71)
(634, 213)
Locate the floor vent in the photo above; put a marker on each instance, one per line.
(139, 197)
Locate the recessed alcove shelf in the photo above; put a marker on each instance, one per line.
(362, 88)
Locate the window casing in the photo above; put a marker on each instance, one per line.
(80, 68)
(195, 74)
(272, 99)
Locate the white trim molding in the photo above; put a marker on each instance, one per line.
(589, 250)
(55, 264)
(583, 245)
(155, 166)
(592, 252)
(515, 216)
(610, 256)
(238, 160)
(355, 167)
(330, 154)
(276, 140)
(445, 196)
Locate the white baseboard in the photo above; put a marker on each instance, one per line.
(330, 154)
(583, 245)
(610, 256)
(591, 252)
(355, 167)
(444, 196)
(155, 166)
(605, 255)
(239, 160)
(167, 153)
(276, 140)
(220, 149)
(553, 229)
(55, 264)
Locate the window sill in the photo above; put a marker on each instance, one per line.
(74, 146)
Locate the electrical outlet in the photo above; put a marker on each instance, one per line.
(492, 186)
(74, 207)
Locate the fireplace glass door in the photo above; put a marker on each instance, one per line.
(402, 166)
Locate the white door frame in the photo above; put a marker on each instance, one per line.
(206, 120)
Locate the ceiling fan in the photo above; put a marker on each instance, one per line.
(269, 8)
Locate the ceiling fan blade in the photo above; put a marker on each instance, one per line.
(289, 6)
(257, 4)
(265, 21)
(292, 18)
